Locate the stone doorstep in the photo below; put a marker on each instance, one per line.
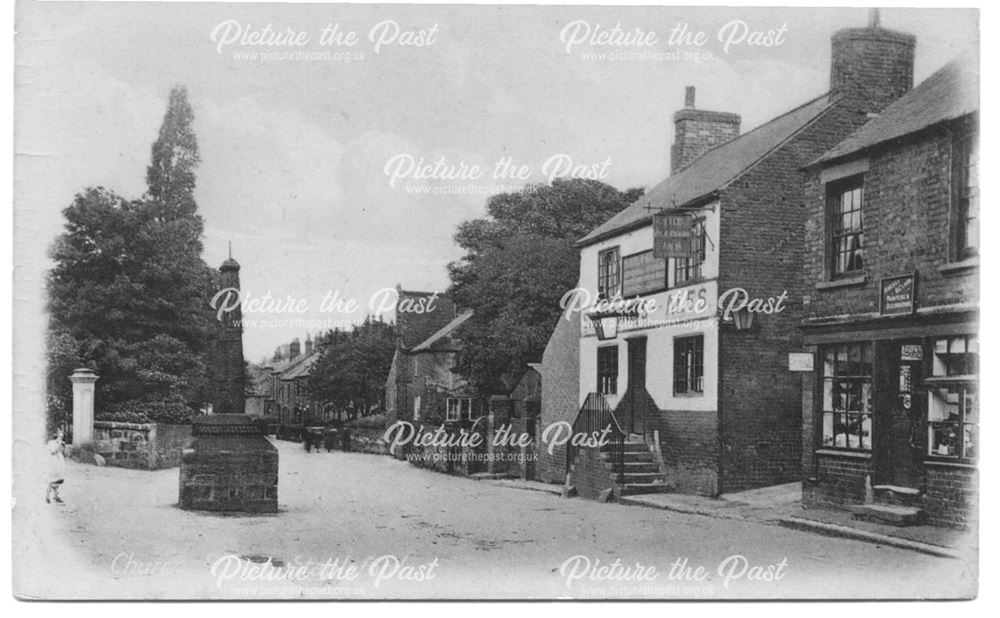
(894, 515)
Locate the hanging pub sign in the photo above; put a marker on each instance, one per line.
(673, 235)
(897, 295)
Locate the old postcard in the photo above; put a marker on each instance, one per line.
(360, 302)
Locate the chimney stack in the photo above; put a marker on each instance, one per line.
(871, 67)
(697, 131)
(309, 344)
(294, 349)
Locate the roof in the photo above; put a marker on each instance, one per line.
(415, 321)
(714, 169)
(951, 92)
(450, 328)
(302, 368)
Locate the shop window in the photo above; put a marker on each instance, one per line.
(458, 408)
(689, 269)
(642, 273)
(844, 199)
(847, 396)
(689, 365)
(965, 171)
(607, 370)
(608, 275)
(953, 402)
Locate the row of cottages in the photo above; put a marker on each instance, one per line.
(699, 384)
(289, 370)
(891, 307)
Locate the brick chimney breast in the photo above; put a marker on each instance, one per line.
(871, 67)
(697, 131)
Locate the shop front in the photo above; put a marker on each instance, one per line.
(895, 417)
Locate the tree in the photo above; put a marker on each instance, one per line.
(352, 365)
(129, 293)
(520, 260)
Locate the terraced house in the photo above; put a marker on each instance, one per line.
(704, 393)
(892, 409)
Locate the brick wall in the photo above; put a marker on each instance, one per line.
(560, 393)
(589, 475)
(690, 446)
(149, 446)
(244, 480)
(951, 498)
(907, 204)
(841, 481)
(760, 399)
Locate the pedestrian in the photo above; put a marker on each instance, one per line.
(56, 467)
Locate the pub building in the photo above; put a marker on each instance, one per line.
(891, 408)
(710, 392)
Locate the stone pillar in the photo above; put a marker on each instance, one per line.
(83, 405)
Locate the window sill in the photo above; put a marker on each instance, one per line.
(840, 453)
(842, 283)
(949, 463)
(689, 395)
(963, 266)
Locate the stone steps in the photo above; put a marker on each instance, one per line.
(889, 514)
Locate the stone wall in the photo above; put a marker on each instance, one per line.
(148, 446)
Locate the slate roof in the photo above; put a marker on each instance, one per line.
(302, 368)
(450, 328)
(714, 169)
(951, 92)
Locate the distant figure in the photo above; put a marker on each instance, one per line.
(56, 467)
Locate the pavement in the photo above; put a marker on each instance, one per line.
(782, 505)
(357, 526)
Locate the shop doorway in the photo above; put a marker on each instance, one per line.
(902, 411)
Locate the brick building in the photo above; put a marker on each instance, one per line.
(891, 269)
(426, 347)
(706, 390)
(289, 371)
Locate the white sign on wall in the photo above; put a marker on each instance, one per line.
(800, 361)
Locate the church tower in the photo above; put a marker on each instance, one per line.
(230, 368)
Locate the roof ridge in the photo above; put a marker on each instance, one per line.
(828, 93)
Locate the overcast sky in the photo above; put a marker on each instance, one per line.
(294, 151)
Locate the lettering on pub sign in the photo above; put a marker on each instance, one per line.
(673, 235)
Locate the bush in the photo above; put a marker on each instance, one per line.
(375, 421)
(164, 412)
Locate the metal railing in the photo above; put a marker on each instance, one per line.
(594, 417)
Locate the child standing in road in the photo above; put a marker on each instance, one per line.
(57, 467)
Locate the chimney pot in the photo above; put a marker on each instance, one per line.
(874, 20)
(689, 96)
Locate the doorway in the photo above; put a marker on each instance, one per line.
(636, 393)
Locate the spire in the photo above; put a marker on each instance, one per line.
(874, 19)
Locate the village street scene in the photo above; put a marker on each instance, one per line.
(360, 307)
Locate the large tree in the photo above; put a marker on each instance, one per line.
(129, 291)
(350, 371)
(520, 260)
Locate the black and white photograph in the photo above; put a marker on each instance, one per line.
(360, 302)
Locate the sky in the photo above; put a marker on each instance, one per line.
(296, 143)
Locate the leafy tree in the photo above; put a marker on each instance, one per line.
(352, 365)
(129, 292)
(520, 260)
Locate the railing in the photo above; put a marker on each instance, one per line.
(594, 417)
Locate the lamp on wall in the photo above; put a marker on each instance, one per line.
(742, 319)
(605, 325)
(606, 322)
